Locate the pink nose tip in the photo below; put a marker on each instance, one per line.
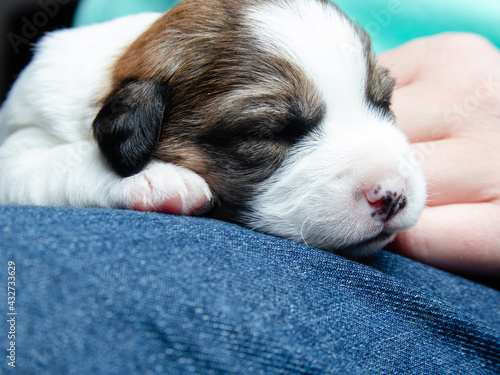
(387, 198)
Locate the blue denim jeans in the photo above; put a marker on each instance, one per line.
(119, 292)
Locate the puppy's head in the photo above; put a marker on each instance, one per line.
(280, 107)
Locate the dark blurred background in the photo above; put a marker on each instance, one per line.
(22, 23)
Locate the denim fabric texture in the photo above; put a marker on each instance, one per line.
(119, 292)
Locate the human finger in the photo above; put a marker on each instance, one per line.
(420, 104)
(456, 171)
(461, 238)
(403, 62)
(420, 111)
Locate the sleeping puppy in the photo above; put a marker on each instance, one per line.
(269, 113)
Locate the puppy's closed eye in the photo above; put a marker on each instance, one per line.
(252, 105)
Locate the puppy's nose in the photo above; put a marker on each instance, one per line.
(386, 199)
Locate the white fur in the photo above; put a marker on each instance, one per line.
(48, 155)
(315, 35)
(316, 197)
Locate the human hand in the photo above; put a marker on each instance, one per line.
(447, 101)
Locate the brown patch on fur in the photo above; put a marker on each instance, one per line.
(235, 108)
(379, 85)
(189, 28)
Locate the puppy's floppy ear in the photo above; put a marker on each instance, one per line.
(128, 126)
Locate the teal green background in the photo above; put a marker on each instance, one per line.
(389, 22)
(394, 22)
(95, 11)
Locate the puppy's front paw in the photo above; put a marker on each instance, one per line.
(167, 188)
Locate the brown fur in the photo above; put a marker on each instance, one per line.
(230, 100)
(379, 85)
(234, 107)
